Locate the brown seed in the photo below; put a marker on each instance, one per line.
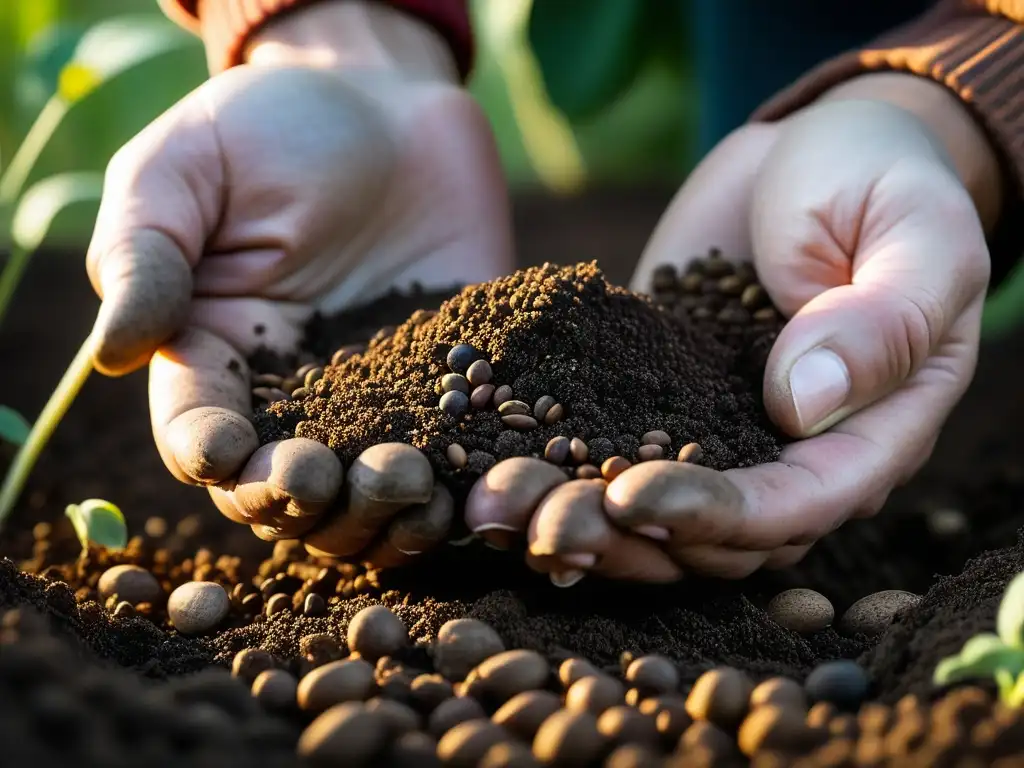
(671, 718)
(346, 680)
(554, 415)
(653, 674)
(594, 694)
(753, 296)
(269, 394)
(557, 450)
(588, 472)
(510, 672)
(124, 609)
(821, 714)
(569, 739)
(462, 644)
(465, 745)
(524, 713)
(779, 692)
(843, 726)
(614, 466)
(428, 691)
(517, 421)
(578, 450)
(544, 404)
(707, 736)
(514, 408)
(691, 452)
(650, 452)
(347, 734)
(766, 315)
(275, 689)
(401, 717)
(291, 383)
(479, 373)
(131, 583)
(277, 603)
(314, 605)
(375, 632)
(455, 382)
(344, 353)
(715, 265)
(311, 378)
(267, 380)
(731, 285)
(480, 397)
(721, 696)
(572, 670)
(664, 277)
(451, 712)
(873, 614)
(801, 610)
(456, 455)
(634, 756)
(502, 395)
(197, 606)
(509, 754)
(656, 437)
(773, 728)
(320, 648)
(415, 749)
(626, 725)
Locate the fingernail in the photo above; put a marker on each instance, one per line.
(655, 532)
(410, 553)
(493, 527)
(566, 579)
(464, 541)
(819, 383)
(580, 560)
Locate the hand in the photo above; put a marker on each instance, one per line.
(864, 232)
(342, 159)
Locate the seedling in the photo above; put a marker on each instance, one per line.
(99, 523)
(999, 655)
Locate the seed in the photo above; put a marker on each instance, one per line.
(753, 296)
(334, 683)
(510, 672)
(509, 754)
(267, 380)
(428, 691)
(451, 712)
(275, 689)
(578, 450)
(480, 397)
(691, 283)
(664, 277)
(197, 606)
(542, 406)
(462, 644)
(131, 583)
(456, 455)
(707, 737)
(635, 756)
(716, 266)
(455, 382)
(873, 614)
(454, 403)
(557, 450)
(650, 452)
(479, 373)
(588, 472)
(731, 285)
(691, 452)
(653, 674)
(277, 603)
(594, 694)
(820, 714)
(252, 604)
(844, 683)
(570, 739)
(375, 632)
(462, 356)
(514, 408)
(520, 422)
(269, 394)
(320, 648)
(670, 716)
(124, 609)
(766, 315)
(779, 692)
(313, 377)
(401, 717)
(382, 333)
(344, 353)
(721, 696)
(572, 670)
(554, 415)
(415, 749)
(524, 713)
(801, 610)
(314, 605)
(656, 437)
(773, 728)
(465, 745)
(625, 725)
(613, 467)
(502, 395)
(347, 734)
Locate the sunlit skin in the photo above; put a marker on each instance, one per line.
(345, 157)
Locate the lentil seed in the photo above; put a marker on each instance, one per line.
(650, 452)
(313, 377)
(691, 452)
(542, 406)
(519, 421)
(514, 408)
(656, 437)
(578, 450)
(557, 450)
(455, 382)
(555, 414)
(480, 397)
(456, 455)
(614, 466)
(479, 373)
(588, 472)
(502, 395)
(454, 403)
(462, 356)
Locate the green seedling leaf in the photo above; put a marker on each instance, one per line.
(98, 522)
(14, 428)
(41, 204)
(982, 656)
(1010, 621)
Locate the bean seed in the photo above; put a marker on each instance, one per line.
(656, 437)
(733, 316)
(557, 450)
(691, 283)
(705, 736)
(456, 455)
(753, 296)
(347, 734)
(555, 414)
(625, 725)
(594, 694)
(524, 713)
(510, 672)
(509, 754)
(129, 582)
(514, 408)
(462, 644)
(716, 266)
(462, 356)
(578, 450)
(455, 382)
(124, 609)
(277, 603)
(314, 605)
(634, 756)
(479, 373)
(614, 467)
(480, 397)
(346, 352)
(650, 452)
(334, 683)
(731, 285)
(779, 692)
(588, 472)
(197, 606)
(801, 610)
(465, 745)
(766, 315)
(502, 395)
(720, 696)
(275, 689)
(542, 406)
(520, 422)
(773, 728)
(428, 691)
(313, 377)
(300, 374)
(454, 403)
(401, 717)
(569, 739)
(269, 394)
(450, 713)
(653, 674)
(375, 632)
(664, 277)
(691, 452)
(572, 670)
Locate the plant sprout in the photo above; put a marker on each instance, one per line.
(999, 655)
(98, 522)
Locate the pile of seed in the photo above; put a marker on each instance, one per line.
(599, 363)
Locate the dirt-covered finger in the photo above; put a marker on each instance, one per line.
(296, 478)
(502, 502)
(571, 520)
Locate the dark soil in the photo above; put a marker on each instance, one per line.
(83, 673)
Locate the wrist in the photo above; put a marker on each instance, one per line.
(950, 123)
(355, 35)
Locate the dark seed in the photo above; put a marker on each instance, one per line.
(569, 739)
(578, 450)
(557, 450)
(509, 754)
(314, 605)
(455, 404)
(520, 422)
(691, 452)
(313, 377)
(510, 672)
(716, 266)
(347, 734)
(650, 452)
(514, 408)
(731, 285)
(703, 735)
(524, 713)
(779, 692)
(479, 373)
(820, 714)
(625, 725)
(401, 718)
(664, 277)
(334, 683)
(773, 728)
(279, 602)
(344, 353)
(594, 694)
(572, 670)
(691, 283)
(480, 397)
(753, 296)
(588, 472)
(462, 356)
(375, 632)
(614, 466)
(502, 395)
(670, 718)
(656, 437)
(465, 745)
(766, 315)
(634, 756)
(455, 382)
(554, 415)
(720, 696)
(269, 394)
(542, 406)
(653, 674)
(844, 683)
(456, 455)
(451, 712)
(462, 644)
(428, 691)
(275, 689)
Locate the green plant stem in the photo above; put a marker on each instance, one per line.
(11, 276)
(12, 182)
(68, 388)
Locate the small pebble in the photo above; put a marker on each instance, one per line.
(557, 450)
(197, 606)
(780, 692)
(843, 683)
(375, 632)
(465, 745)
(131, 583)
(555, 414)
(502, 395)
(347, 734)
(873, 614)
(275, 689)
(656, 437)
(524, 713)
(588, 472)
(314, 605)
(339, 681)
(650, 452)
(578, 450)
(542, 406)
(569, 739)
(691, 452)
(520, 422)
(455, 382)
(480, 397)
(462, 644)
(514, 408)
(653, 674)
(462, 356)
(455, 404)
(594, 694)
(456, 455)
(277, 603)
(720, 696)
(451, 712)
(614, 466)
(479, 373)
(801, 610)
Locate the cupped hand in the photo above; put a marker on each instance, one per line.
(269, 193)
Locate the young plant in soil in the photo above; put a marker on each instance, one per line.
(98, 522)
(999, 655)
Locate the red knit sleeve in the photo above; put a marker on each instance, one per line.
(227, 25)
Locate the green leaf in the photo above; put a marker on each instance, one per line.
(14, 428)
(98, 522)
(42, 202)
(1010, 621)
(982, 656)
